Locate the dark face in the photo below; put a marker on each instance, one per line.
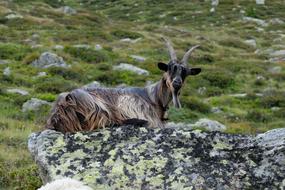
(176, 75)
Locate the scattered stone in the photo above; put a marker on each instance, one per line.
(13, 16)
(277, 56)
(34, 104)
(129, 40)
(68, 10)
(35, 37)
(3, 62)
(242, 12)
(94, 84)
(138, 58)
(42, 74)
(7, 71)
(209, 125)
(18, 91)
(276, 21)
(215, 3)
(36, 46)
(241, 95)
(132, 68)
(260, 77)
(212, 10)
(275, 108)
(123, 156)
(98, 47)
(202, 90)
(216, 110)
(275, 70)
(48, 59)
(86, 46)
(251, 43)
(255, 20)
(258, 29)
(279, 53)
(260, 2)
(58, 47)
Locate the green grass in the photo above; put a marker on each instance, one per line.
(229, 66)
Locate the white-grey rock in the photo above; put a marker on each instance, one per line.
(255, 20)
(276, 21)
(275, 108)
(35, 46)
(13, 16)
(202, 90)
(277, 56)
(212, 10)
(18, 91)
(34, 104)
(272, 138)
(258, 29)
(240, 95)
(42, 74)
(242, 12)
(3, 62)
(260, 2)
(58, 47)
(138, 58)
(215, 3)
(275, 70)
(251, 43)
(7, 71)
(216, 110)
(86, 46)
(279, 53)
(35, 36)
(132, 68)
(129, 40)
(48, 59)
(98, 47)
(68, 10)
(94, 84)
(260, 77)
(209, 125)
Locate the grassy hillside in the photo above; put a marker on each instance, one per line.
(237, 79)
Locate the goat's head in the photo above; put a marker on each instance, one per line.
(176, 71)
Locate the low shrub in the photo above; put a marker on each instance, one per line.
(221, 79)
(126, 34)
(258, 116)
(54, 85)
(13, 51)
(89, 55)
(195, 104)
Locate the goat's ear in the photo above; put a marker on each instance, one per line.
(162, 66)
(193, 71)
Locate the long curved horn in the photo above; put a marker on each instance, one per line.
(170, 49)
(187, 54)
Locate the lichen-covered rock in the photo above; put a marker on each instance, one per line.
(48, 59)
(132, 68)
(34, 104)
(132, 157)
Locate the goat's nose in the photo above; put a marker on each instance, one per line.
(177, 83)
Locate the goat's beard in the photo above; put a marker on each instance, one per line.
(175, 99)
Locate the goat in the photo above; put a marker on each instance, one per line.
(88, 109)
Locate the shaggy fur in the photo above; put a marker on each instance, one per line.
(65, 184)
(91, 108)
